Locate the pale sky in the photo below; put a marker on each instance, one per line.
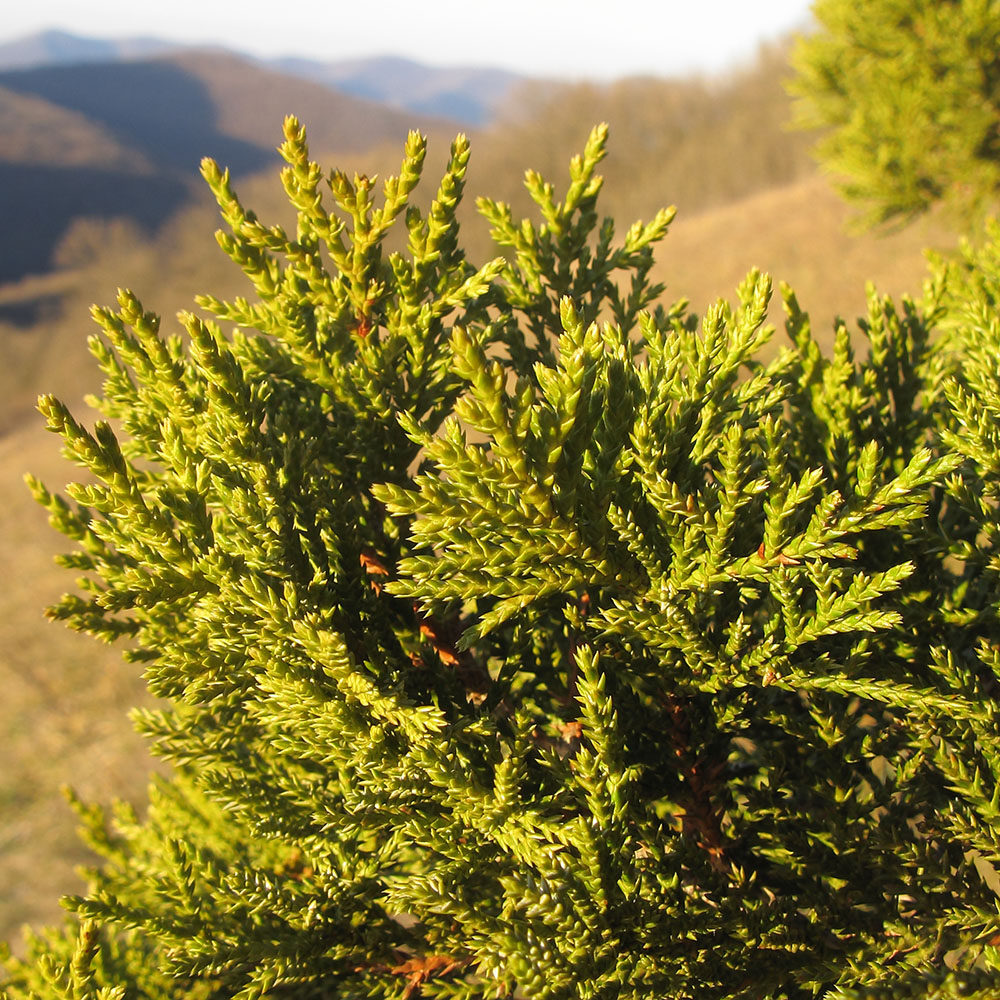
(599, 39)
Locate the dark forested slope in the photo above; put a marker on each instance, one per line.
(125, 138)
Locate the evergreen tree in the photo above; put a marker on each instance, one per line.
(908, 95)
(521, 637)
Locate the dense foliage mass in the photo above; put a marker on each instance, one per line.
(908, 93)
(519, 637)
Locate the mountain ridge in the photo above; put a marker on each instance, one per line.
(470, 95)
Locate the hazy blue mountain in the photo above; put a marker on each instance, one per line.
(469, 95)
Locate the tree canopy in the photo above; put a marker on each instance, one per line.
(907, 94)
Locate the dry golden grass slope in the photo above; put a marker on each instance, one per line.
(63, 707)
(800, 234)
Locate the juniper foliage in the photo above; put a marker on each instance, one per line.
(906, 94)
(521, 637)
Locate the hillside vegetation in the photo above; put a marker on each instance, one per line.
(747, 192)
(695, 142)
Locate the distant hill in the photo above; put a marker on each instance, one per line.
(125, 138)
(35, 130)
(178, 108)
(471, 96)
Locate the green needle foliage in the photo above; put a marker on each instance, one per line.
(908, 95)
(520, 637)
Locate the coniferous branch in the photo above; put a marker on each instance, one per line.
(518, 639)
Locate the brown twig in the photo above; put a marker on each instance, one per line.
(418, 969)
(701, 819)
(441, 638)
